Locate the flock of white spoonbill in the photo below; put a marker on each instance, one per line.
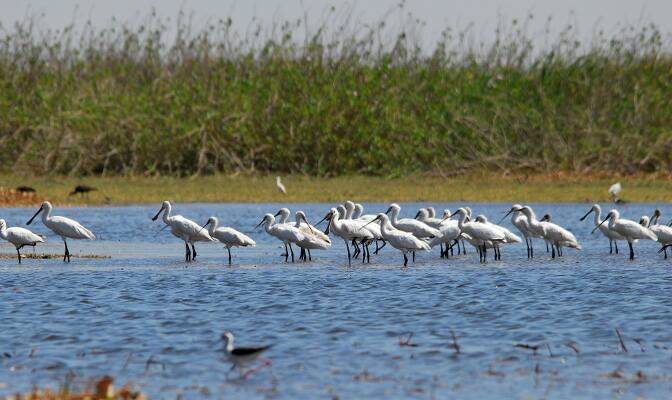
(348, 222)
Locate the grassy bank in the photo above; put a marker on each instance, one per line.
(473, 188)
(124, 100)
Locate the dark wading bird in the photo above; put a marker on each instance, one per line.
(63, 227)
(25, 189)
(242, 357)
(82, 190)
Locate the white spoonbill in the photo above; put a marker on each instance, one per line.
(519, 220)
(229, 237)
(423, 216)
(63, 227)
(630, 230)
(484, 235)
(280, 186)
(350, 209)
(449, 235)
(509, 236)
(19, 237)
(349, 230)
(663, 232)
(417, 228)
(313, 239)
(609, 234)
(183, 228)
(403, 241)
(286, 233)
(558, 236)
(359, 209)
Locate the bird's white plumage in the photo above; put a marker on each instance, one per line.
(286, 233)
(630, 230)
(604, 228)
(400, 240)
(510, 237)
(348, 229)
(615, 188)
(424, 217)
(280, 186)
(18, 236)
(313, 239)
(479, 232)
(417, 228)
(229, 237)
(62, 226)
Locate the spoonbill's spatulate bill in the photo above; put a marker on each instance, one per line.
(183, 228)
(63, 227)
(229, 237)
(19, 237)
(630, 230)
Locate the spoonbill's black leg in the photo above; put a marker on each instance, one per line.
(464, 249)
(405, 260)
(67, 252)
(291, 251)
(553, 252)
(616, 246)
(229, 250)
(611, 250)
(413, 256)
(188, 255)
(18, 253)
(193, 252)
(665, 252)
(547, 246)
(348, 247)
(286, 253)
(310, 258)
(632, 252)
(531, 249)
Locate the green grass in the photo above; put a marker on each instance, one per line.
(220, 188)
(122, 101)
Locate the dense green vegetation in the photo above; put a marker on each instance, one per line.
(121, 101)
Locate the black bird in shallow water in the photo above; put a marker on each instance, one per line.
(25, 189)
(82, 189)
(241, 357)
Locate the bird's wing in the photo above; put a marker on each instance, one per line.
(248, 351)
(70, 228)
(232, 237)
(23, 236)
(190, 228)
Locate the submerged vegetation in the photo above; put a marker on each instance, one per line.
(165, 98)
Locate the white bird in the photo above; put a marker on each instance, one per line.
(241, 357)
(350, 209)
(280, 186)
(349, 230)
(184, 229)
(229, 237)
(284, 214)
(519, 220)
(359, 209)
(630, 230)
(449, 234)
(609, 234)
(19, 237)
(482, 234)
(313, 239)
(286, 233)
(614, 190)
(403, 241)
(63, 227)
(558, 236)
(509, 236)
(423, 216)
(417, 228)
(663, 232)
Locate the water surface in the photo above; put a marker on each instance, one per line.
(146, 317)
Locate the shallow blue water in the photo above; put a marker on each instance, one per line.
(335, 330)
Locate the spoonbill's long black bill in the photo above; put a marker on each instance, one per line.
(157, 214)
(36, 214)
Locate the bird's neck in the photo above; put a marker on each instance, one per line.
(598, 217)
(213, 228)
(3, 232)
(166, 215)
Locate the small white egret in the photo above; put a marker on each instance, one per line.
(630, 230)
(184, 229)
(614, 190)
(19, 237)
(229, 237)
(63, 227)
(403, 241)
(286, 233)
(609, 234)
(280, 186)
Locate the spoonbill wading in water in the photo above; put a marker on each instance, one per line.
(403, 241)
(484, 236)
(63, 227)
(19, 237)
(313, 239)
(183, 228)
(630, 230)
(349, 230)
(419, 229)
(663, 232)
(229, 237)
(286, 233)
(608, 233)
